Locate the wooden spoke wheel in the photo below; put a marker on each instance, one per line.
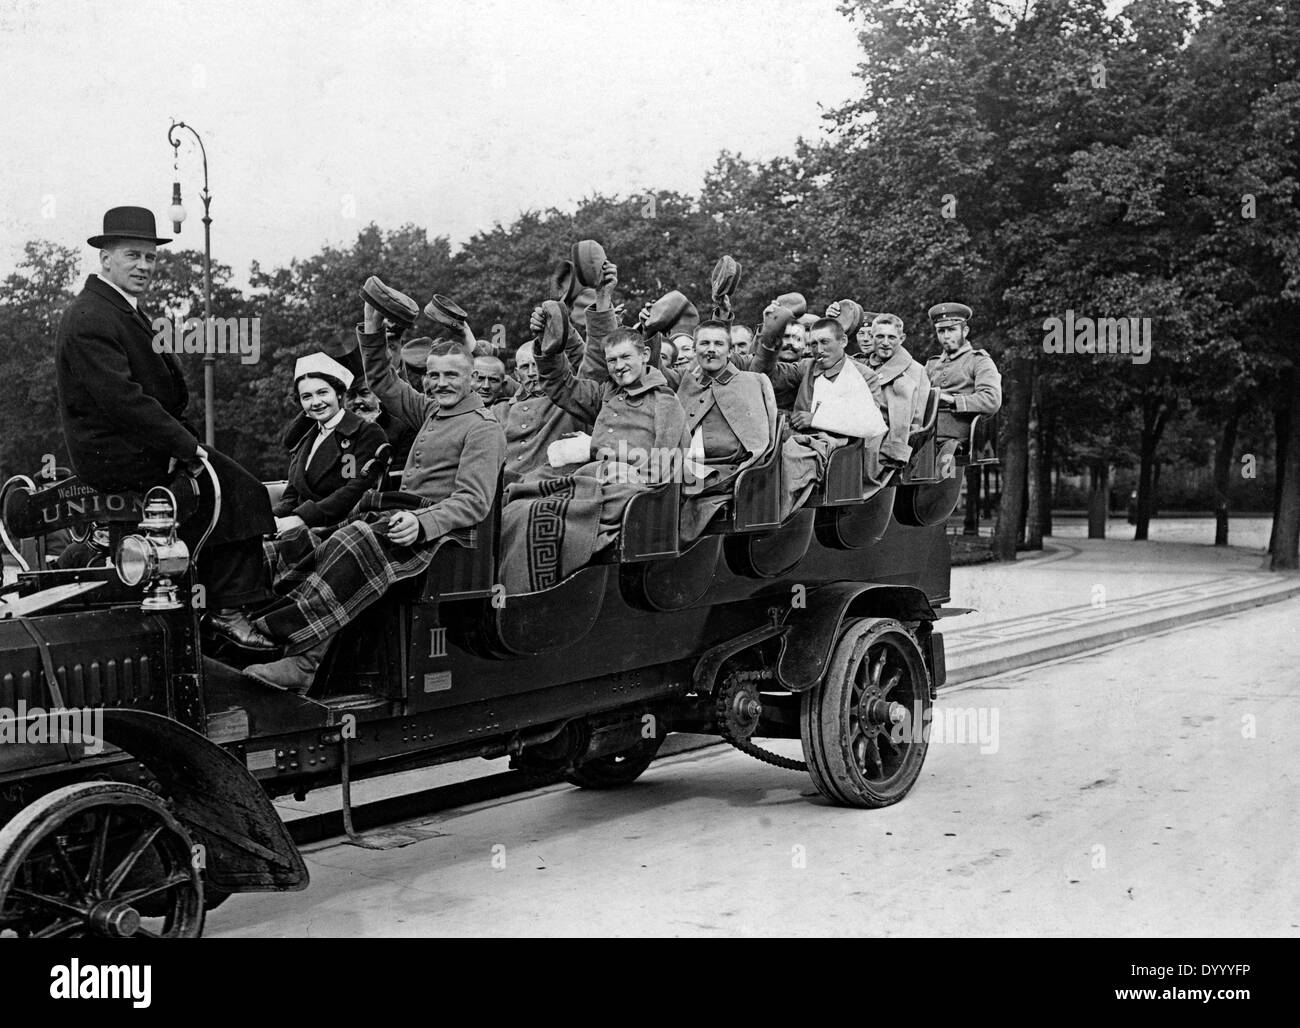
(617, 769)
(865, 727)
(98, 859)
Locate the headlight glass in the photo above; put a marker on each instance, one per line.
(135, 558)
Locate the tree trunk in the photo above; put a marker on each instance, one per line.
(1281, 432)
(1012, 448)
(1034, 471)
(1098, 498)
(1046, 466)
(1285, 546)
(1155, 413)
(1223, 475)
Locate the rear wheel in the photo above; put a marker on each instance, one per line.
(617, 769)
(865, 726)
(99, 859)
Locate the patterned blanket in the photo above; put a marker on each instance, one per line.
(323, 587)
(551, 527)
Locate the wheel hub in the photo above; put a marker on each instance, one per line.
(115, 918)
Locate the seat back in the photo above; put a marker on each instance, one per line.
(465, 567)
(275, 490)
(930, 416)
(757, 496)
(842, 483)
(983, 446)
(923, 465)
(650, 524)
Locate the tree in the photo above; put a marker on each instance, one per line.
(32, 300)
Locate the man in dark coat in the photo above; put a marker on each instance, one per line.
(122, 405)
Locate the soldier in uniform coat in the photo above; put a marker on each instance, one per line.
(901, 388)
(122, 406)
(805, 454)
(967, 379)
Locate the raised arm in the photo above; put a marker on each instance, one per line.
(581, 397)
(601, 321)
(783, 374)
(404, 403)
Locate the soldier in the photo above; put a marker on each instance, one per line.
(900, 387)
(490, 379)
(742, 340)
(967, 379)
(816, 381)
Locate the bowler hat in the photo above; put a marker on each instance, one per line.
(394, 305)
(726, 277)
(127, 223)
(794, 302)
(446, 312)
(588, 261)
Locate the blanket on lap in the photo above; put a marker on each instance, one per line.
(551, 527)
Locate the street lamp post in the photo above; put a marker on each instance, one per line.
(178, 214)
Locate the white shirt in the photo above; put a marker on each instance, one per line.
(322, 431)
(133, 301)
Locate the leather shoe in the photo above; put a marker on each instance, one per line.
(292, 674)
(235, 626)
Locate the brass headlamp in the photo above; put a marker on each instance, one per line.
(154, 556)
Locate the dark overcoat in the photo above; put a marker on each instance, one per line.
(122, 407)
(323, 490)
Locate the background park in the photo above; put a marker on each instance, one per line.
(1065, 156)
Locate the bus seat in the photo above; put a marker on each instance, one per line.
(650, 524)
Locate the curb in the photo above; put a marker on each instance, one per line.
(1094, 641)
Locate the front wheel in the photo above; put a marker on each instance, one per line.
(865, 726)
(98, 859)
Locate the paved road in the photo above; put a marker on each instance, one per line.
(1150, 789)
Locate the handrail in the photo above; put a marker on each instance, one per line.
(4, 531)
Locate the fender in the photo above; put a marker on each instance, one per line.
(813, 629)
(247, 847)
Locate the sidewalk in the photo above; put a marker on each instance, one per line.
(1081, 594)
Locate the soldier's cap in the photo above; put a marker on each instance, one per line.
(588, 262)
(416, 352)
(446, 312)
(950, 314)
(322, 364)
